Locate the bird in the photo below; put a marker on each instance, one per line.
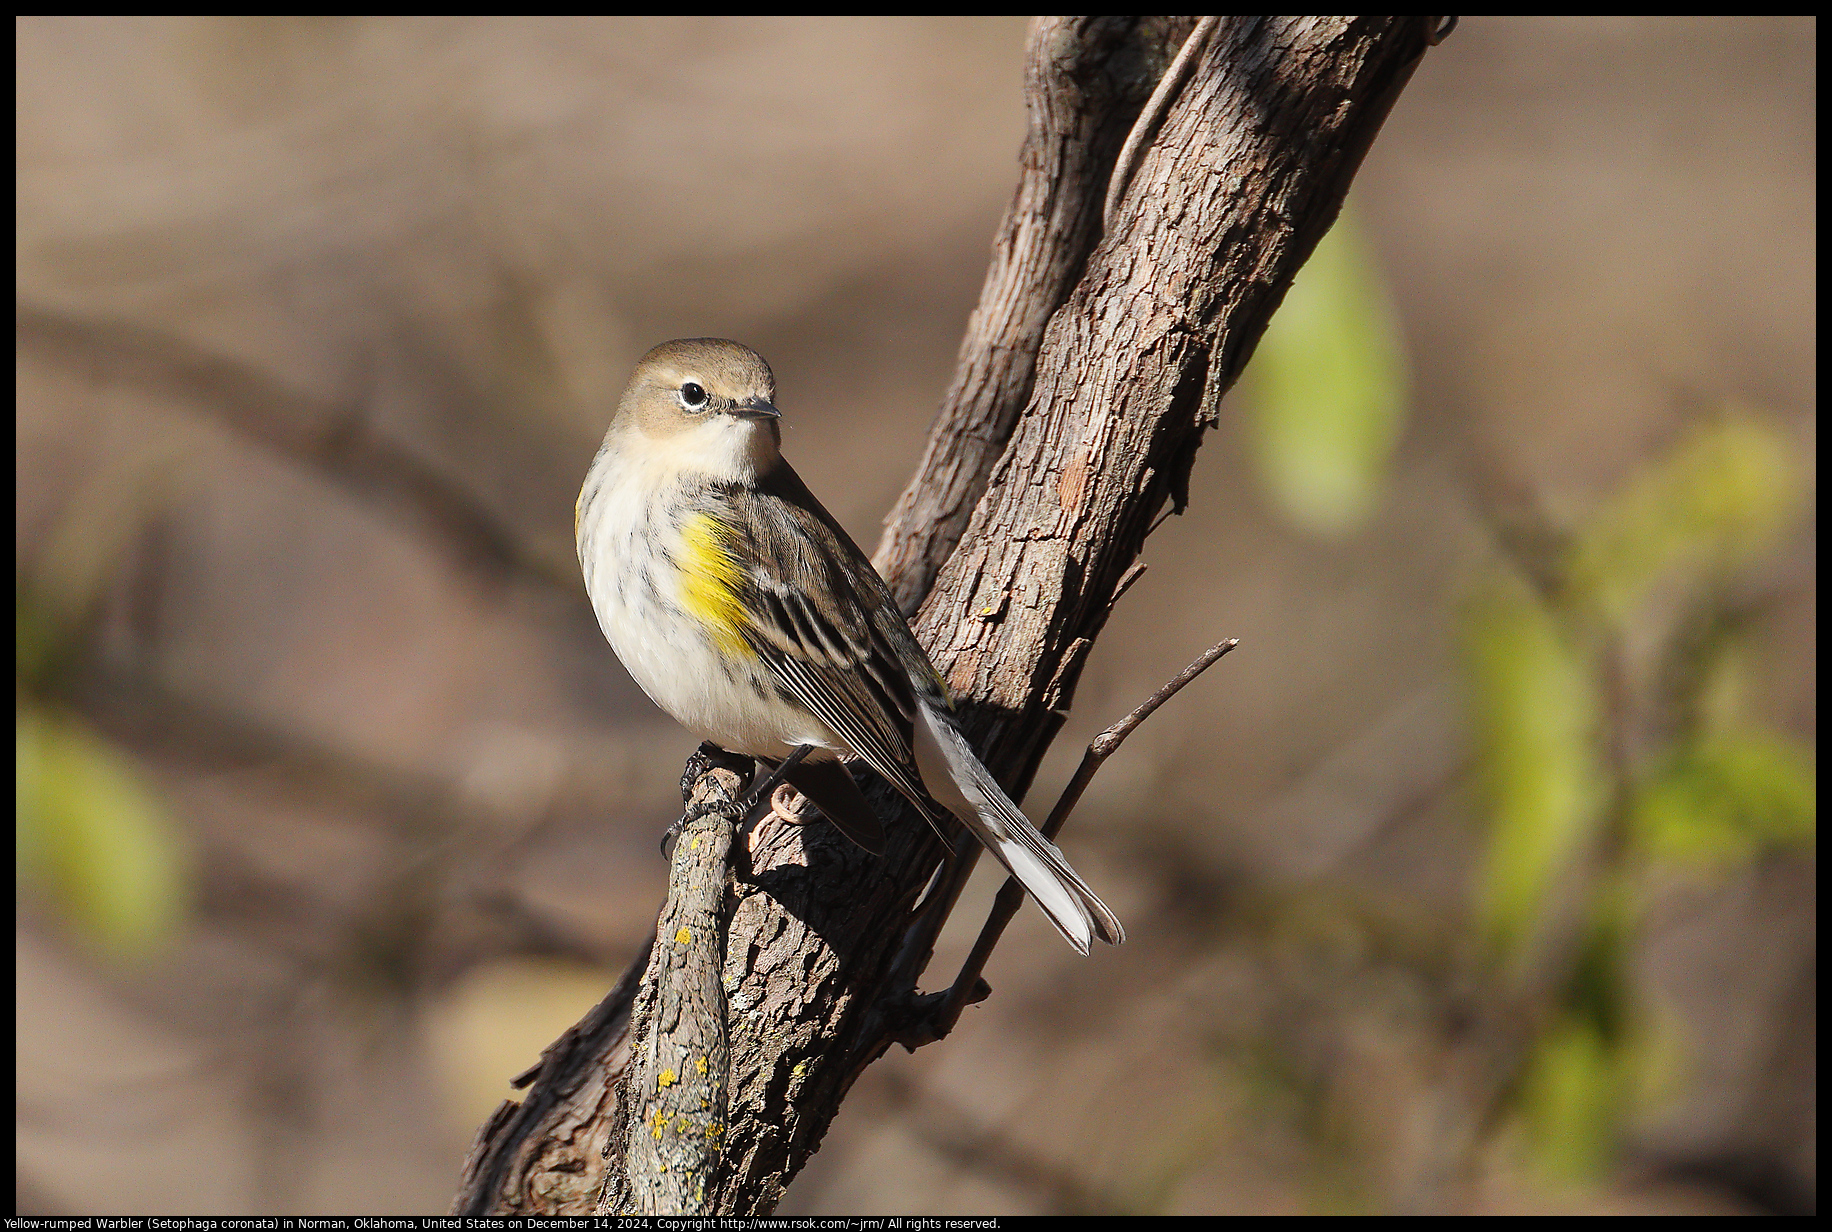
(745, 611)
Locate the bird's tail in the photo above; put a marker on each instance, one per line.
(955, 777)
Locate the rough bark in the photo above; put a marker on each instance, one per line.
(1085, 79)
(1091, 369)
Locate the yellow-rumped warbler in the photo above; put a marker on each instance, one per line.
(745, 611)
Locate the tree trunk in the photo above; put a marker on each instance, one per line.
(1175, 177)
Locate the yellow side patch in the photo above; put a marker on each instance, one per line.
(709, 582)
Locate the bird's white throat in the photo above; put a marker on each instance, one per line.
(720, 448)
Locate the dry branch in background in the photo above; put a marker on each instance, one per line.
(336, 441)
(1091, 368)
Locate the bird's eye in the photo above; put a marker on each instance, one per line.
(693, 396)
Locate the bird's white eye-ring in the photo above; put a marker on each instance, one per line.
(693, 396)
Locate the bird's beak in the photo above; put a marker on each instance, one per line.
(755, 408)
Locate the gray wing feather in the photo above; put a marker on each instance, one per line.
(854, 663)
(833, 658)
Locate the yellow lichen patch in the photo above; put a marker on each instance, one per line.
(683, 937)
(701, 1062)
(666, 1078)
(710, 578)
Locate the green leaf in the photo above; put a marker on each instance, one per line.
(94, 838)
(1727, 797)
(1535, 715)
(1598, 988)
(1572, 1099)
(1715, 502)
(1327, 389)
(1597, 1057)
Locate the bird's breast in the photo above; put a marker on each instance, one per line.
(664, 584)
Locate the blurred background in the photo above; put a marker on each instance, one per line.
(1480, 877)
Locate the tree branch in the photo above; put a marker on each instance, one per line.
(1090, 371)
(334, 441)
(1085, 80)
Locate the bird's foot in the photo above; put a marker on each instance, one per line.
(710, 756)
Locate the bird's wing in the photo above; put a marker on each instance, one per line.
(854, 662)
(830, 656)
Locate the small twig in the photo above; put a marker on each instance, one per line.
(1106, 743)
(1150, 116)
(1011, 894)
(1134, 572)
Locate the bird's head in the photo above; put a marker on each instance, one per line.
(704, 403)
